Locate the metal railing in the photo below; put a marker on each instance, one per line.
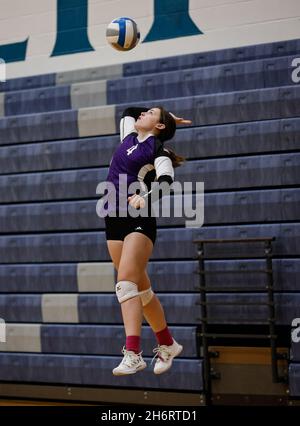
(205, 335)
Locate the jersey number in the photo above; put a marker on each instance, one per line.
(130, 150)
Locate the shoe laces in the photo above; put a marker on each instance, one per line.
(162, 352)
(130, 358)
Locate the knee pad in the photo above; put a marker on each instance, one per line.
(126, 290)
(146, 296)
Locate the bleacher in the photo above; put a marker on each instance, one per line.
(57, 136)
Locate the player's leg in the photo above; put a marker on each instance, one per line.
(115, 251)
(137, 249)
(153, 311)
(116, 229)
(135, 254)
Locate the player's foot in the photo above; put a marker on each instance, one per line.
(130, 364)
(165, 356)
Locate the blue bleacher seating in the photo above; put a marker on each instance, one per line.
(94, 370)
(243, 144)
(103, 340)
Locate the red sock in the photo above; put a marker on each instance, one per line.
(133, 343)
(164, 337)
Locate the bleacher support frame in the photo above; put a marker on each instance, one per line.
(205, 336)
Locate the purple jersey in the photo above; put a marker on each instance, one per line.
(137, 161)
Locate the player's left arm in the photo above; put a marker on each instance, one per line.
(164, 173)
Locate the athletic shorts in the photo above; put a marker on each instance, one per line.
(116, 228)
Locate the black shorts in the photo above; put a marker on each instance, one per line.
(116, 228)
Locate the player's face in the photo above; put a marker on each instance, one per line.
(149, 121)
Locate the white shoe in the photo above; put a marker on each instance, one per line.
(130, 364)
(165, 356)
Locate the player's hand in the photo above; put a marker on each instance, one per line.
(180, 120)
(137, 201)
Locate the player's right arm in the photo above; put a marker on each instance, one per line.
(129, 117)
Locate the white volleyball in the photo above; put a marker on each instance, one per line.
(123, 34)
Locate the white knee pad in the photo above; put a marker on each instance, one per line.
(126, 290)
(146, 296)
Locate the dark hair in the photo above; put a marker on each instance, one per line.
(167, 133)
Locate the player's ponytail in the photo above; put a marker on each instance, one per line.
(167, 133)
(177, 160)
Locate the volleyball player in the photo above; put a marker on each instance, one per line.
(141, 156)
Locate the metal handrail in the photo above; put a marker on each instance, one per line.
(268, 289)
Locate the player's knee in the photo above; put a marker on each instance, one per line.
(126, 290)
(146, 296)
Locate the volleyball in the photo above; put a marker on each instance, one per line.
(123, 34)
